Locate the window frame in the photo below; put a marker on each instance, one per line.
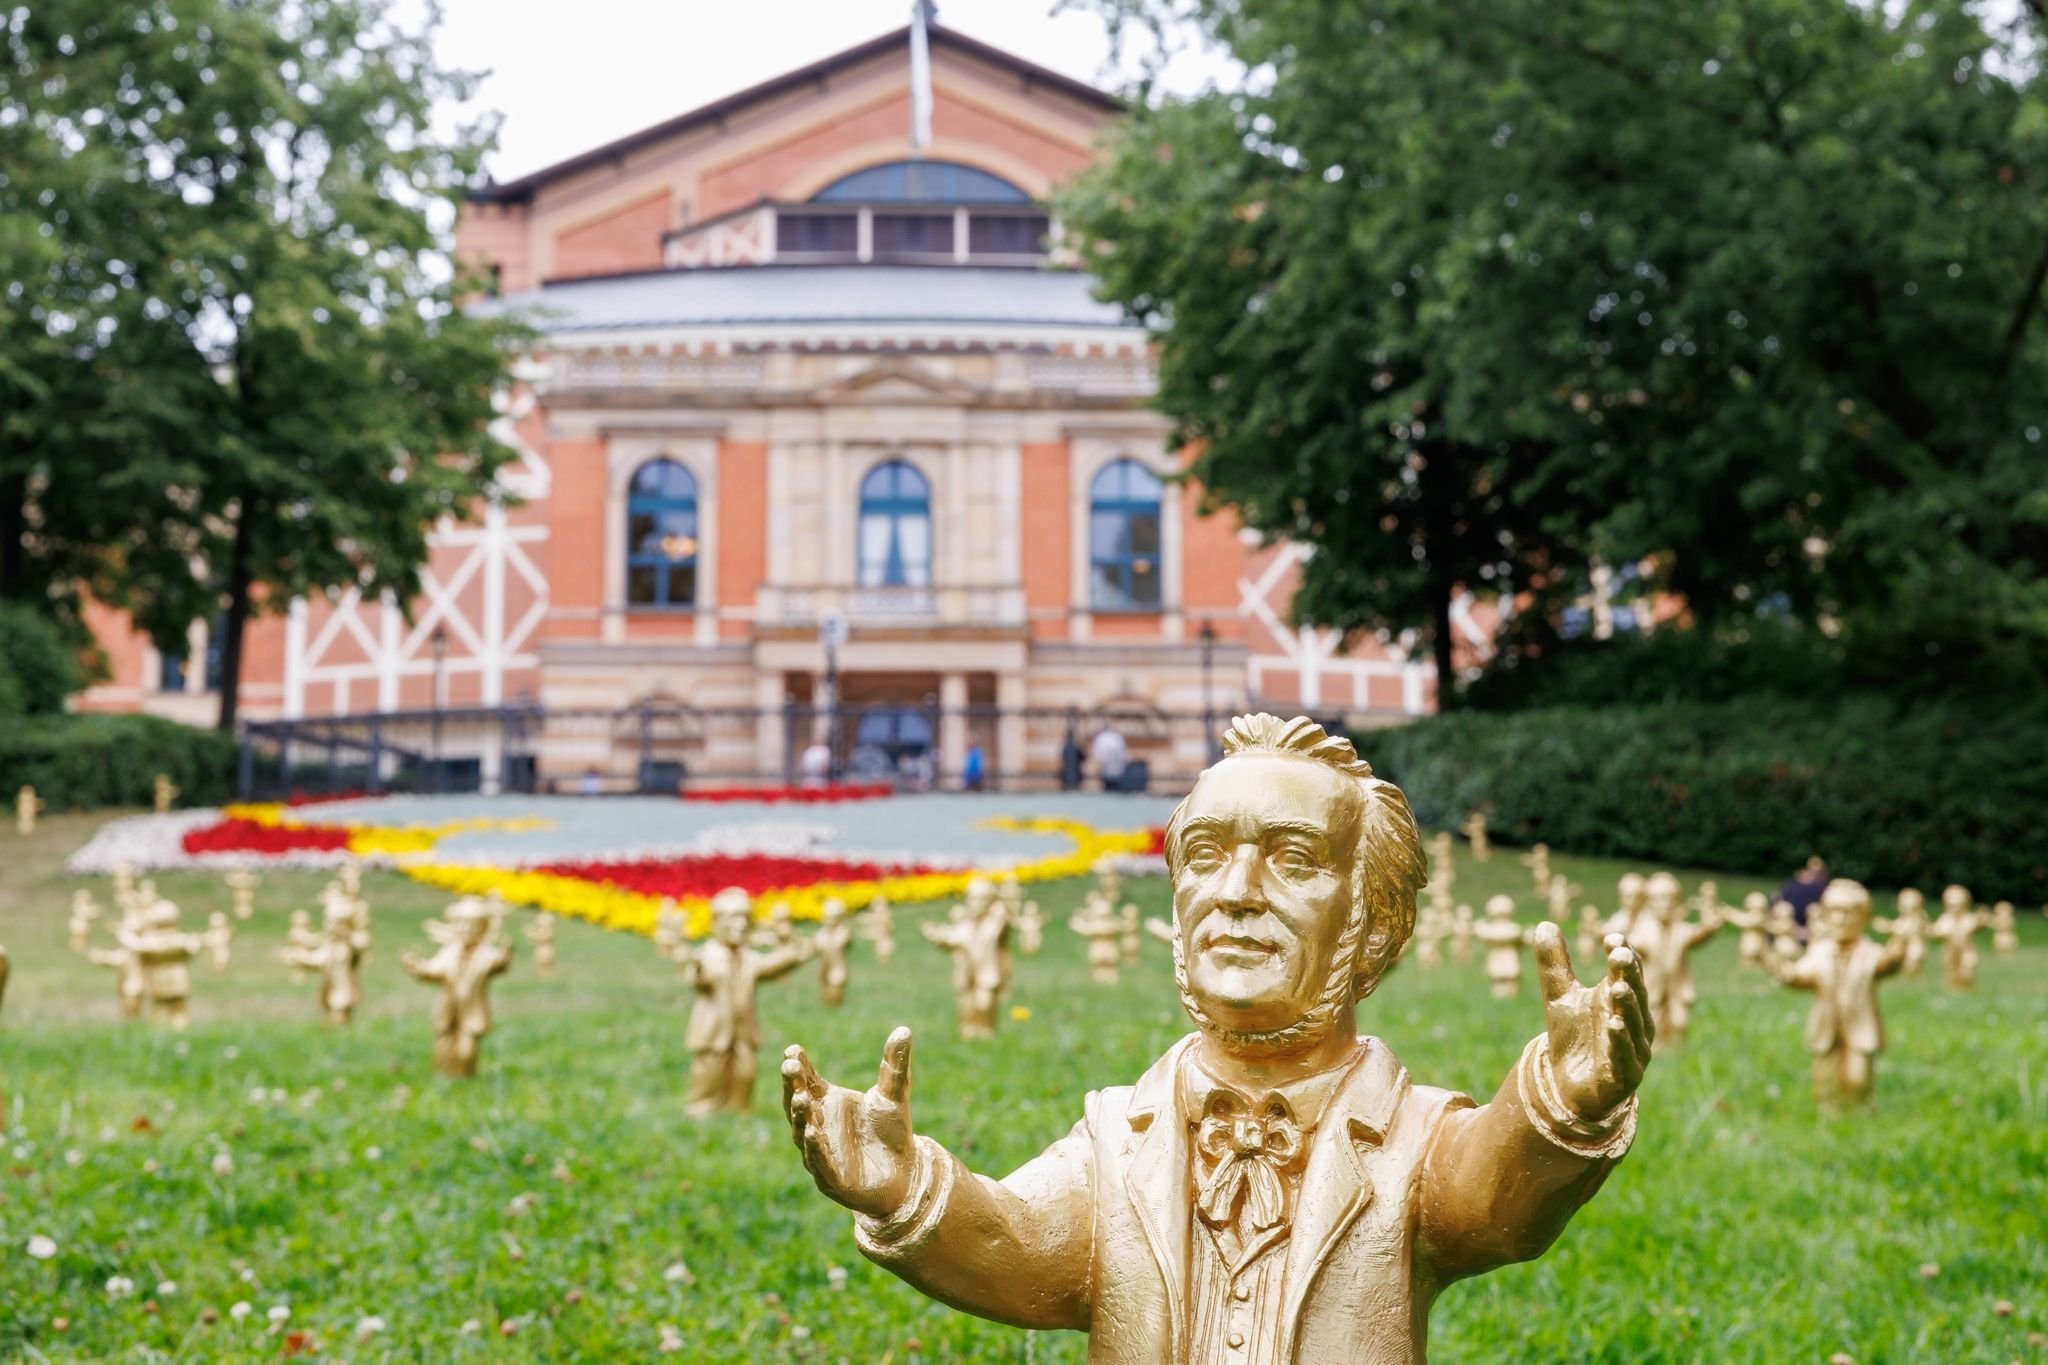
(1127, 507)
(639, 503)
(896, 506)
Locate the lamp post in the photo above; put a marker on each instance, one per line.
(1207, 636)
(832, 633)
(439, 642)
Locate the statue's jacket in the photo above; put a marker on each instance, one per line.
(1406, 1189)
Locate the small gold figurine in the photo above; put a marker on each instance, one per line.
(1432, 927)
(1560, 897)
(351, 871)
(1443, 866)
(1844, 1032)
(471, 952)
(724, 1034)
(164, 952)
(778, 931)
(1592, 929)
(219, 939)
(1909, 925)
(1537, 860)
(829, 944)
(1475, 835)
(1274, 1188)
(882, 929)
(2005, 929)
(124, 885)
(541, 934)
(27, 806)
(1024, 915)
(1664, 939)
(1629, 891)
(1462, 936)
(1104, 930)
(1132, 938)
(1753, 919)
(1161, 929)
(299, 935)
(1783, 926)
(242, 884)
(1956, 928)
(163, 794)
(671, 932)
(84, 911)
(1504, 939)
(337, 957)
(977, 934)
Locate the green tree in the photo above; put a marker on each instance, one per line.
(1746, 292)
(246, 204)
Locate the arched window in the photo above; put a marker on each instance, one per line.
(895, 527)
(921, 182)
(1123, 538)
(661, 536)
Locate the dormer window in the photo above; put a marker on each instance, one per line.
(913, 213)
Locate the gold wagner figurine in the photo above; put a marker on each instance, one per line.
(163, 952)
(27, 806)
(830, 944)
(1104, 930)
(471, 952)
(1753, 919)
(242, 884)
(541, 934)
(1909, 924)
(1844, 1032)
(1504, 938)
(337, 957)
(218, 937)
(84, 910)
(1025, 916)
(163, 794)
(882, 929)
(2005, 929)
(1273, 1189)
(977, 934)
(1665, 938)
(724, 1035)
(1957, 930)
(1475, 834)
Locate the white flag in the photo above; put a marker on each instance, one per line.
(920, 76)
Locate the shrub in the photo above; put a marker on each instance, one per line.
(38, 670)
(85, 762)
(1889, 791)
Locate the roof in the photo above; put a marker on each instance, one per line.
(522, 189)
(811, 294)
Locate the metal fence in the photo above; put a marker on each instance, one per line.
(664, 746)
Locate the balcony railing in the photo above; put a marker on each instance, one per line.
(963, 605)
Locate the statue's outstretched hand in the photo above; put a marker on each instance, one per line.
(858, 1145)
(1599, 1035)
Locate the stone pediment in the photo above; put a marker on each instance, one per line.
(897, 381)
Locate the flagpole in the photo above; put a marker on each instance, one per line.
(923, 14)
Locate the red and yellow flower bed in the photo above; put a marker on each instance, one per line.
(802, 796)
(265, 829)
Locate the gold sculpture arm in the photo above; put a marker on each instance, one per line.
(1709, 924)
(1016, 1250)
(424, 969)
(782, 961)
(311, 959)
(1501, 1181)
(106, 957)
(1795, 972)
(1894, 956)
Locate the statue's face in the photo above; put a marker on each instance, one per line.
(474, 928)
(731, 928)
(1265, 850)
(1846, 916)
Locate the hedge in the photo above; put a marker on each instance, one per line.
(37, 669)
(1889, 791)
(84, 762)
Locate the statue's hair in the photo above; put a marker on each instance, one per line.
(1388, 871)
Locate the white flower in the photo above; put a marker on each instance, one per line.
(678, 1274)
(472, 1327)
(240, 1310)
(120, 1287)
(373, 1153)
(278, 1314)
(41, 1247)
(370, 1326)
(166, 1288)
(223, 1164)
(74, 1157)
(671, 1339)
(835, 1278)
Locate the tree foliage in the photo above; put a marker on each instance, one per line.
(1745, 292)
(240, 375)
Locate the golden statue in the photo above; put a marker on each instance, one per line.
(779, 931)
(1104, 930)
(1784, 930)
(471, 952)
(977, 934)
(882, 929)
(242, 884)
(1475, 835)
(724, 1035)
(27, 806)
(163, 794)
(1629, 891)
(219, 940)
(830, 944)
(671, 933)
(1844, 1032)
(2005, 929)
(1432, 927)
(1592, 931)
(1462, 936)
(337, 957)
(1024, 916)
(1956, 928)
(1504, 938)
(299, 935)
(164, 954)
(1665, 938)
(1753, 919)
(351, 871)
(1131, 938)
(1909, 925)
(1443, 867)
(1537, 860)
(84, 911)
(541, 934)
(1273, 1189)
(1161, 929)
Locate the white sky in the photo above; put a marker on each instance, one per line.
(569, 75)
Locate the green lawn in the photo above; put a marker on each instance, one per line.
(562, 1205)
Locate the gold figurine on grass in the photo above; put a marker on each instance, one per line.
(1104, 930)
(471, 952)
(1274, 1188)
(1476, 836)
(219, 940)
(834, 936)
(1504, 938)
(881, 929)
(27, 806)
(242, 884)
(724, 1035)
(1844, 1032)
(540, 932)
(1956, 930)
(1665, 938)
(1908, 924)
(977, 935)
(1025, 917)
(84, 912)
(1753, 919)
(337, 959)
(2005, 929)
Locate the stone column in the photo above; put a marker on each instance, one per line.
(1010, 762)
(768, 725)
(952, 724)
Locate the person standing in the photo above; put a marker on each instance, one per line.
(1111, 756)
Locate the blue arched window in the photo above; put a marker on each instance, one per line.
(661, 536)
(895, 527)
(921, 182)
(1123, 538)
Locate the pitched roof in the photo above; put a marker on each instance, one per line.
(522, 189)
(815, 294)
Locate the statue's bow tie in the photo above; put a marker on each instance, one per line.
(1246, 1149)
